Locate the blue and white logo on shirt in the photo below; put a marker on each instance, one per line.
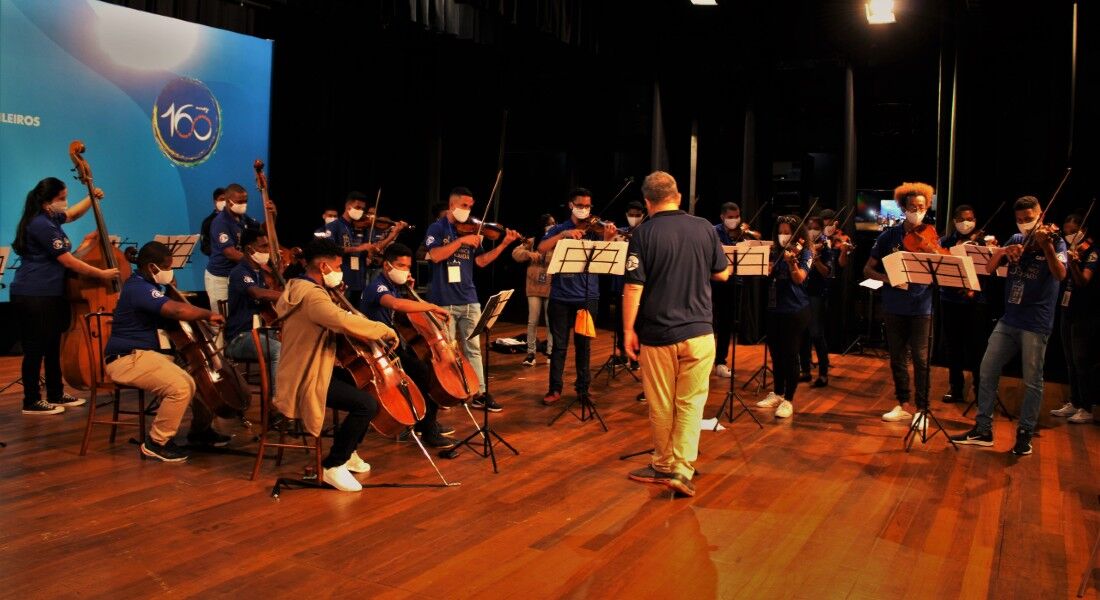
(157, 293)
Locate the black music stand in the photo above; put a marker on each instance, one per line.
(762, 372)
(586, 257)
(611, 366)
(745, 264)
(934, 270)
(489, 316)
(863, 341)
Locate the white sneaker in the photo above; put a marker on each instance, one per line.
(1081, 416)
(1067, 410)
(342, 479)
(784, 410)
(772, 400)
(722, 371)
(897, 414)
(920, 422)
(356, 464)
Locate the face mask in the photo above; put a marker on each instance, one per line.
(915, 218)
(732, 223)
(59, 206)
(219, 205)
(1073, 238)
(333, 278)
(548, 228)
(460, 214)
(784, 238)
(163, 277)
(329, 220)
(813, 233)
(633, 221)
(965, 227)
(581, 213)
(1026, 227)
(830, 230)
(239, 209)
(261, 258)
(398, 276)
(355, 213)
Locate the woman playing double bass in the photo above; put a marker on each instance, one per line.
(38, 290)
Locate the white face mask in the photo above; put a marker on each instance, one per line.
(965, 227)
(1073, 238)
(732, 223)
(813, 234)
(460, 214)
(59, 206)
(633, 221)
(329, 220)
(162, 276)
(784, 238)
(915, 218)
(581, 213)
(355, 213)
(261, 258)
(219, 205)
(239, 209)
(548, 228)
(1026, 227)
(830, 230)
(398, 276)
(333, 278)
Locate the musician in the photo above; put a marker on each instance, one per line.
(453, 257)
(731, 231)
(308, 379)
(38, 290)
(204, 229)
(537, 289)
(571, 292)
(841, 246)
(788, 313)
(357, 249)
(965, 315)
(225, 238)
(822, 273)
(1080, 321)
(248, 295)
(635, 214)
(1031, 293)
(907, 308)
(385, 295)
(667, 316)
(133, 355)
(381, 240)
(328, 216)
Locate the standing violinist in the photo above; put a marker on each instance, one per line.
(248, 294)
(965, 314)
(537, 289)
(907, 308)
(225, 239)
(384, 295)
(133, 355)
(1037, 266)
(731, 230)
(308, 377)
(357, 249)
(572, 292)
(838, 240)
(380, 239)
(453, 257)
(822, 274)
(38, 290)
(204, 228)
(1080, 322)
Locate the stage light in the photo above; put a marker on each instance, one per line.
(705, 2)
(880, 12)
(142, 41)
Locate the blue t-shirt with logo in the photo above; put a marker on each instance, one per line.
(371, 302)
(137, 317)
(790, 297)
(817, 285)
(916, 300)
(573, 287)
(242, 306)
(225, 232)
(1083, 301)
(344, 234)
(40, 274)
(1031, 290)
(440, 291)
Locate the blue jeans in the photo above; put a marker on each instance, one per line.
(1005, 343)
(463, 319)
(241, 347)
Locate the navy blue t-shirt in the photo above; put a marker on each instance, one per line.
(225, 232)
(958, 295)
(137, 317)
(242, 306)
(1031, 290)
(1083, 301)
(440, 291)
(40, 274)
(790, 297)
(817, 285)
(342, 232)
(672, 255)
(914, 301)
(573, 287)
(371, 302)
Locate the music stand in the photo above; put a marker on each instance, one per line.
(864, 340)
(182, 246)
(586, 257)
(484, 325)
(747, 262)
(903, 268)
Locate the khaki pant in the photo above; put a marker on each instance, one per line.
(157, 374)
(676, 380)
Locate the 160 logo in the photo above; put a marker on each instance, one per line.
(186, 121)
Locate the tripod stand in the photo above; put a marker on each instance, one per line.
(863, 340)
(731, 394)
(612, 366)
(1000, 405)
(762, 372)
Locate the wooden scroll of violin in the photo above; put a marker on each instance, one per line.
(454, 379)
(89, 295)
(376, 369)
(281, 257)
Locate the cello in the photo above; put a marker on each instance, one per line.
(88, 295)
(454, 380)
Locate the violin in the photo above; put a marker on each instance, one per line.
(842, 241)
(1031, 243)
(475, 226)
(379, 223)
(923, 238)
(454, 380)
(594, 224)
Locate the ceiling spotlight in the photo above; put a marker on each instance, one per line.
(880, 12)
(705, 2)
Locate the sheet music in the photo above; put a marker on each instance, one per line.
(182, 246)
(917, 268)
(981, 256)
(493, 307)
(572, 256)
(750, 258)
(872, 284)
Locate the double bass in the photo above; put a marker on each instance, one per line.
(281, 257)
(454, 380)
(89, 295)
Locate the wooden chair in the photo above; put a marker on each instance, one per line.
(223, 308)
(97, 341)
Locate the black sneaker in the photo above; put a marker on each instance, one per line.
(442, 429)
(680, 485)
(529, 361)
(619, 360)
(1023, 443)
(41, 407)
(649, 475)
(208, 437)
(821, 382)
(168, 452)
(806, 377)
(973, 438)
(434, 440)
(634, 366)
(486, 401)
(952, 398)
(68, 400)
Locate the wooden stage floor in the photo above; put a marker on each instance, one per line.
(823, 505)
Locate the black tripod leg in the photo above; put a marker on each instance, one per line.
(563, 411)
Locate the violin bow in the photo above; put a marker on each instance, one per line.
(1043, 213)
(1084, 220)
(758, 212)
(619, 194)
(377, 201)
(492, 195)
(794, 232)
(989, 221)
